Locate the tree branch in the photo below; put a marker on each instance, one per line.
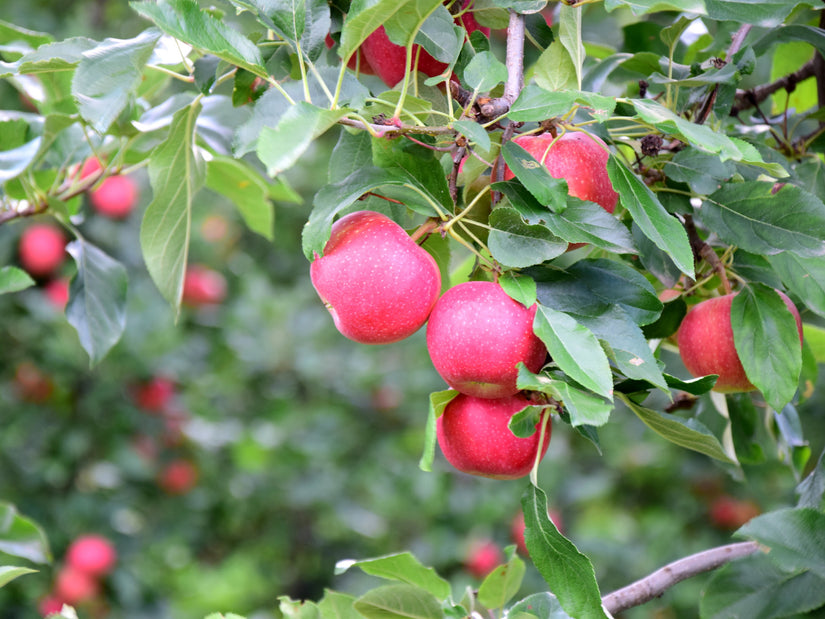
(703, 251)
(661, 580)
(746, 99)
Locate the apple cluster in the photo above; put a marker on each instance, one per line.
(380, 287)
(88, 559)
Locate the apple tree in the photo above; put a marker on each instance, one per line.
(604, 209)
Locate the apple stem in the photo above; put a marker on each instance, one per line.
(425, 229)
(534, 473)
(705, 252)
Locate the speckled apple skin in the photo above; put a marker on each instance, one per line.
(578, 158)
(377, 283)
(474, 437)
(477, 334)
(705, 340)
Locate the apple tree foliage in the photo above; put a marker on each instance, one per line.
(712, 115)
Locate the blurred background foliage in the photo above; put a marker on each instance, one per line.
(305, 445)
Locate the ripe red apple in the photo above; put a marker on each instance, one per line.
(178, 477)
(477, 334)
(483, 556)
(377, 283)
(705, 340)
(42, 249)
(154, 395)
(203, 286)
(74, 586)
(517, 527)
(92, 554)
(729, 513)
(115, 197)
(580, 159)
(474, 437)
(389, 60)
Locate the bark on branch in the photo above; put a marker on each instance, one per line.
(746, 99)
(661, 580)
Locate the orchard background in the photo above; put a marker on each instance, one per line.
(235, 448)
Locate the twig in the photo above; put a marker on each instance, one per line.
(746, 99)
(702, 250)
(736, 43)
(661, 580)
(819, 72)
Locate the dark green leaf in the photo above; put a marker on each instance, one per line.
(805, 277)
(21, 537)
(668, 323)
(474, 132)
(420, 168)
(13, 279)
(587, 222)
(108, 76)
(753, 216)
(583, 407)
(517, 244)
(687, 433)
(574, 349)
(568, 572)
(549, 191)
(247, 190)
(176, 173)
(399, 602)
(185, 20)
(484, 72)
(811, 490)
(403, 567)
(500, 585)
(438, 402)
(704, 172)
(695, 386)
(763, 13)
(97, 299)
(648, 213)
(795, 538)
(352, 152)
(439, 35)
(535, 103)
(767, 342)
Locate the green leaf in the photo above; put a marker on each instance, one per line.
(756, 588)
(640, 7)
(811, 490)
(419, 166)
(13, 279)
(9, 573)
(13, 162)
(59, 56)
(767, 342)
(473, 132)
(241, 184)
(280, 147)
(97, 299)
(185, 20)
(22, 537)
(438, 402)
(687, 433)
(568, 572)
(502, 584)
(403, 26)
(403, 567)
(574, 349)
(298, 609)
(549, 191)
(694, 386)
(337, 605)
(352, 152)
(439, 35)
(176, 173)
(554, 69)
(762, 13)
(364, 17)
(108, 76)
(520, 287)
(484, 72)
(543, 605)
(399, 602)
(795, 538)
(753, 216)
(517, 244)
(651, 217)
(702, 171)
(534, 103)
(570, 37)
(583, 407)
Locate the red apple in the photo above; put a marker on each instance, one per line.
(477, 334)
(74, 586)
(203, 286)
(389, 60)
(517, 527)
(154, 395)
(474, 437)
(51, 604)
(178, 477)
(89, 167)
(483, 557)
(580, 159)
(31, 384)
(115, 197)
(377, 283)
(705, 340)
(57, 292)
(92, 554)
(729, 514)
(42, 249)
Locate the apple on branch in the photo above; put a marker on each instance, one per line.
(477, 335)
(474, 436)
(115, 197)
(42, 249)
(377, 283)
(92, 554)
(705, 340)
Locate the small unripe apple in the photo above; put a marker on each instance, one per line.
(203, 286)
(377, 283)
(178, 477)
(92, 554)
(728, 513)
(705, 340)
(483, 556)
(474, 436)
(477, 334)
(74, 586)
(42, 249)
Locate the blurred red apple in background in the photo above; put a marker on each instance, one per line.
(154, 395)
(178, 477)
(203, 286)
(57, 292)
(74, 586)
(42, 249)
(92, 554)
(729, 513)
(483, 556)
